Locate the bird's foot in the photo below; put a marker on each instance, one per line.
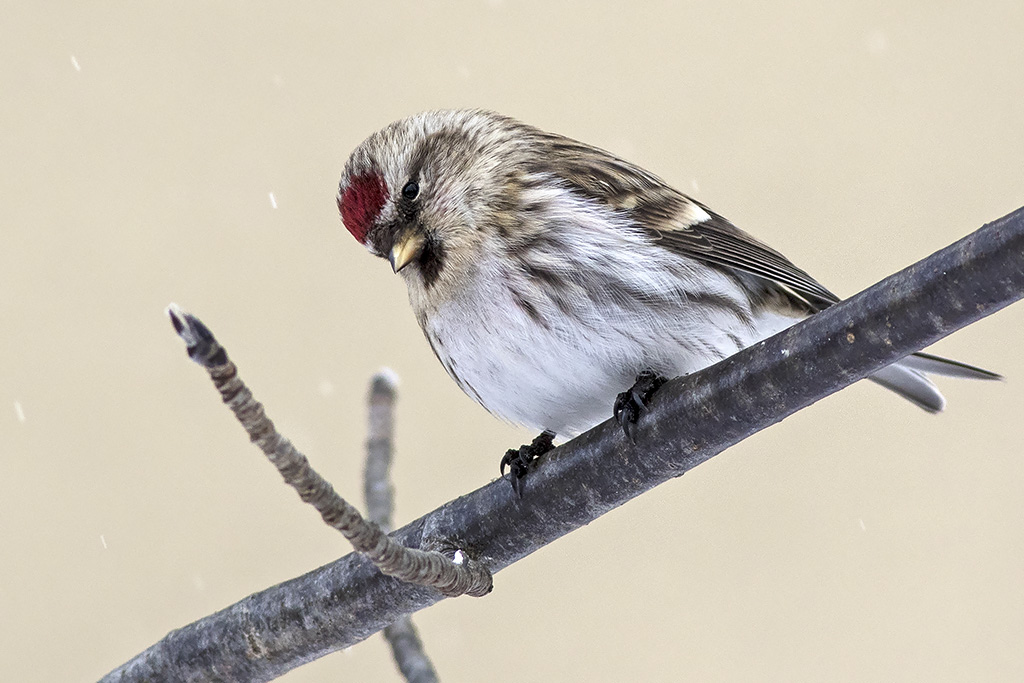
(629, 405)
(518, 460)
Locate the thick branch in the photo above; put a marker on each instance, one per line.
(690, 420)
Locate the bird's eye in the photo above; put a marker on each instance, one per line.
(411, 189)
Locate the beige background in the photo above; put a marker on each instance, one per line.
(861, 540)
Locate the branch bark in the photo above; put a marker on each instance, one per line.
(689, 421)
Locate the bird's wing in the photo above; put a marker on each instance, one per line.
(715, 241)
(677, 222)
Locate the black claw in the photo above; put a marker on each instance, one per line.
(518, 460)
(630, 404)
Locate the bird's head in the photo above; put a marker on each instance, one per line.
(427, 192)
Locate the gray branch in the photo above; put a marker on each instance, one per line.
(408, 652)
(377, 488)
(429, 568)
(689, 421)
(406, 646)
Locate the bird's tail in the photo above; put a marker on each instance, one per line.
(907, 378)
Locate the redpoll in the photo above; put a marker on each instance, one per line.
(548, 274)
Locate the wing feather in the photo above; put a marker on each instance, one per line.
(677, 222)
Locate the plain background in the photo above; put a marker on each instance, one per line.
(189, 152)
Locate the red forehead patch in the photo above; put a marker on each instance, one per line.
(361, 203)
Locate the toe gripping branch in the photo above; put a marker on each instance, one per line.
(630, 404)
(519, 460)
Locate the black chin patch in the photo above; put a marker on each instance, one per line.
(431, 260)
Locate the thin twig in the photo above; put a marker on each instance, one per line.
(376, 480)
(407, 650)
(690, 420)
(406, 646)
(424, 568)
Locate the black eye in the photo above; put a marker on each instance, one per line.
(411, 189)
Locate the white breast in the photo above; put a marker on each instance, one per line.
(556, 360)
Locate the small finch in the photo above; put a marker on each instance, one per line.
(549, 275)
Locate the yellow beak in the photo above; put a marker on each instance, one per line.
(407, 247)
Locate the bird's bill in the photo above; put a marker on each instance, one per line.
(407, 247)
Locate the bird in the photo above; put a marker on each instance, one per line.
(558, 283)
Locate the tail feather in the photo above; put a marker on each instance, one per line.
(911, 385)
(907, 378)
(936, 365)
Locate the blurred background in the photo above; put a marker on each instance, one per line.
(158, 152)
